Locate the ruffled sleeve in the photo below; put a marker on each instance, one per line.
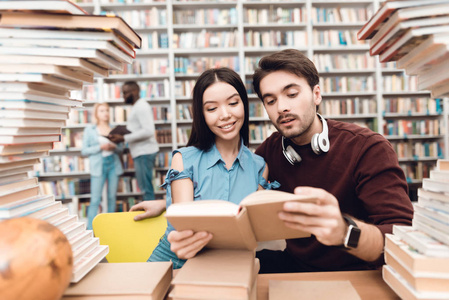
(173, 175)
(263, 182)
(268, 185)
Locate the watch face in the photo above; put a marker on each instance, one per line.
(353, 238)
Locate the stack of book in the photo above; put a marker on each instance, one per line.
(417, 257)
(47, 49)
(217, 274)
(415, 34)
(228, 266)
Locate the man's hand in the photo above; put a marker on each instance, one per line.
(322, 218)
(186, 244)
(116, 138)
(152, 208)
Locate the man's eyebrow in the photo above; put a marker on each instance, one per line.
(283, 89)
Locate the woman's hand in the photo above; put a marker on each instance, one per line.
(186, 244)
(151, 208)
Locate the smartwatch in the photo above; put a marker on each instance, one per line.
(352, 234)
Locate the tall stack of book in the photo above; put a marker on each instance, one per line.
(417, 257)
(47, 49)
(414, 34)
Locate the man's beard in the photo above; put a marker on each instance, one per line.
(129, 99)
(293, 131)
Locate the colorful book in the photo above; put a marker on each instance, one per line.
(59, 71)
(24, 206)
(409, 40)
(41, 78)
(121, 54)
(92, 55)
(80, 22)
(37, 96)
(70, 36)
(421, 241)
(384, 12)
(48, 6)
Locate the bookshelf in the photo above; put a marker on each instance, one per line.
(187, 37)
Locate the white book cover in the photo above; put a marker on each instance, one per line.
(431, 227)
(421, 241)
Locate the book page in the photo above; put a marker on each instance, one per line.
(270, 196)
(263, 207)
(203, 208)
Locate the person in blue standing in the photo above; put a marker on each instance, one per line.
(141, 141)
(104, 159)
(216, 164)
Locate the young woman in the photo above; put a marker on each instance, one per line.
(104, 161)
(216, 164)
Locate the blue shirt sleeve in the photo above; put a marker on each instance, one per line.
(260, 164)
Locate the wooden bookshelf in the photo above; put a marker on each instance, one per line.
(237, 34)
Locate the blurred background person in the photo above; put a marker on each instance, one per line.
(141, 141)
(104, 160)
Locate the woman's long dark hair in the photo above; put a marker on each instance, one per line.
(201, 136)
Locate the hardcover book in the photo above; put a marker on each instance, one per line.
(404, 290)
(420, 281)
(48, 6)
(82, 22)
(133, 281)
(238, 226)
(412, 259)
(233, 274)
(383, 14)
(421, 241)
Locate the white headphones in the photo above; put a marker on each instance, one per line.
(320, 143)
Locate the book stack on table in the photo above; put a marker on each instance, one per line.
(48, 49)
(417, 257)
(228, 266)
(415, 35)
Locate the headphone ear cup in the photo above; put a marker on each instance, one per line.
(314, 143)
(291, 155)
(323, 143)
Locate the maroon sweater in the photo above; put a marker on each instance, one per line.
(361, 170)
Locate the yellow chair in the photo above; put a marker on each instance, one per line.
(128, 240)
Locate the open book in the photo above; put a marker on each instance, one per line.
(238, 226)
(120, 129)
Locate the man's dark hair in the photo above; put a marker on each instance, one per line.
(201, 136)
(289, 60)
(132, 84)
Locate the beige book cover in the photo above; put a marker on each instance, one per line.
(414, 261)
(133, 281)
(217, 274)
(404, 290)
(311, 290)
(238, 226)
(420, 281)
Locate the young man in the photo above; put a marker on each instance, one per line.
(142, 139)
(352, 171)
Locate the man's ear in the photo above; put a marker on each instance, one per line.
(317, 95)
